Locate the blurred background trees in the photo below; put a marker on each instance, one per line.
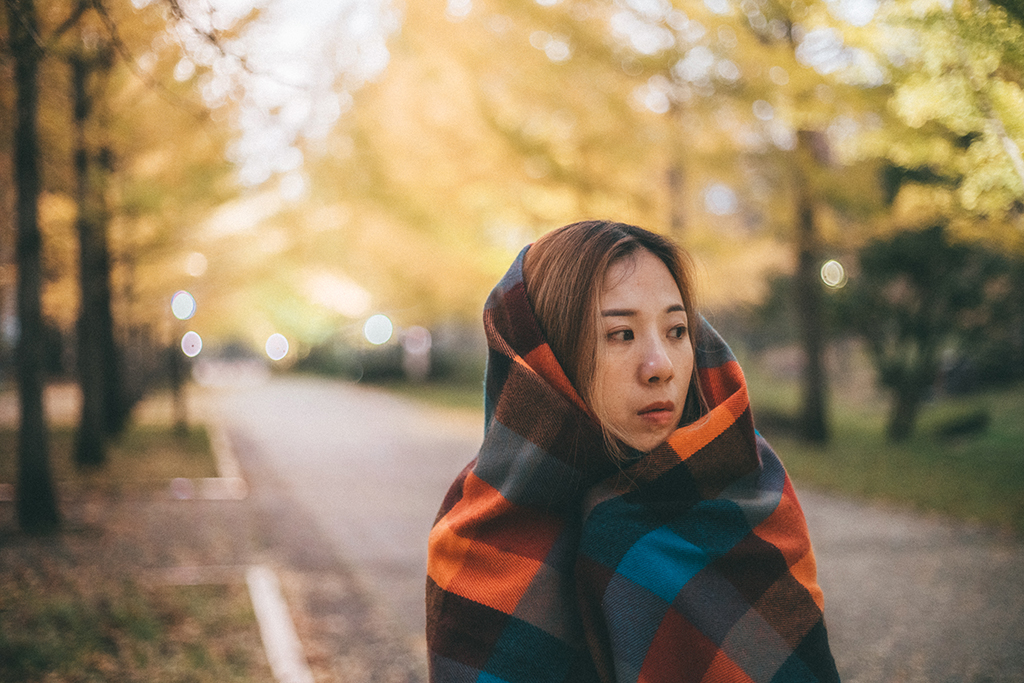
(300, 166)
(68, 66)
(926, 305)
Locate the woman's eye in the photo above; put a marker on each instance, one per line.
(621, 335)
(678, 332)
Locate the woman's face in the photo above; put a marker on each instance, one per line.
(644, 356)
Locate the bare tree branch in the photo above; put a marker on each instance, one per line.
(15, 11)
(121, 48)
(68, 23)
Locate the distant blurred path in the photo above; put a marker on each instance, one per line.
(908, 598)
(368, 467)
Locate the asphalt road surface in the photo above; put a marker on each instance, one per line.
(908, 597)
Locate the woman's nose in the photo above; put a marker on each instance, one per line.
(656, 365)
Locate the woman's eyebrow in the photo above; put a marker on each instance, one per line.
(629, 312)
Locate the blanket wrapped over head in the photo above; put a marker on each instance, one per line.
(549, 561)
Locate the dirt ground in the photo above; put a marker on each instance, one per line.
(158, 539)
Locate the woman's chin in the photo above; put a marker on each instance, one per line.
(646, 442)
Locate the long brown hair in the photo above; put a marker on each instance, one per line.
(564, 272)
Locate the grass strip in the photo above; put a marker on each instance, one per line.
(143, 453)
(976, 476)
(63, 624)
(459, 395)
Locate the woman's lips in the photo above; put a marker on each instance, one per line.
(661, 412)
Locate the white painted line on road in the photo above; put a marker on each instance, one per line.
(227, 463)
(209, 488)
(227, 485)
(281, 642)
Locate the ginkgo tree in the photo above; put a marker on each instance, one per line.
(279, 82)
(70, 63)
(446, 166)
(956, 72)
(494, 125)
(36, 501)
(949, 141)
(751, 97)
(496, 121)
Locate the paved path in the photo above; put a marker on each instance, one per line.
(370, 470)
(908, 598)
(915, 598)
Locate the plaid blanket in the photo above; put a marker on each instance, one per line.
(548, 562)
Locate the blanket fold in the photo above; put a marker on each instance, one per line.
(549, 562)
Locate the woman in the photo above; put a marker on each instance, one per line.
(622, 521)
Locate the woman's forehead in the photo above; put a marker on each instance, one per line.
(640, 272)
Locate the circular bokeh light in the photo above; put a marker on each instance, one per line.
(833, 274)
(277, 346)
(195, 264)
(378, 329)
(191, 344)
(183, 305)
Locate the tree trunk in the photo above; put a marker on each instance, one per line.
(116, 405)
(674, 178)
(903, 416)
(178, 368)
(814, 412)
(918, 378)
(90, 440)
(36, 501)
(98, 363)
